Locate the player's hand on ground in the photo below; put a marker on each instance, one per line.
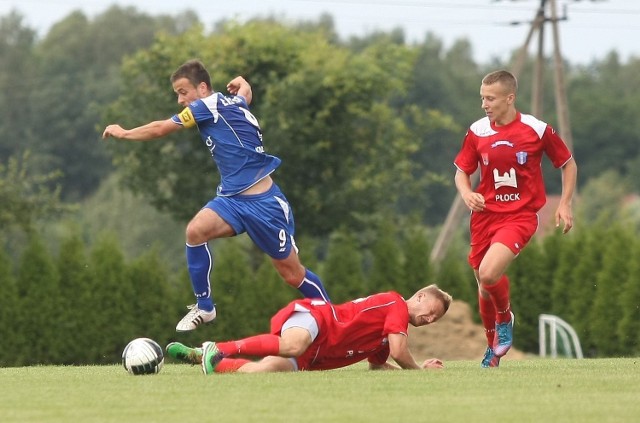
(433, 363)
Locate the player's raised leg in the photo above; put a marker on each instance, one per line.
(206, 225)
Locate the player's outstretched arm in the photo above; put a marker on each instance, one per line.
(399, 351)
(385, 366)
(430, 363)
(150, 131)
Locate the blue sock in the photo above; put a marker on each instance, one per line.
(311, 287)
(199, 263)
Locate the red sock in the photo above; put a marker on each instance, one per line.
(230, 365)
(258, 346)
(488, 317)
(499, 292)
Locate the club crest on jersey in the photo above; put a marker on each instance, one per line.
(521, 156)
(485, 159)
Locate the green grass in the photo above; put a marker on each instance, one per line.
(603, 390)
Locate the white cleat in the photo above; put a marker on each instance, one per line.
(195, 317)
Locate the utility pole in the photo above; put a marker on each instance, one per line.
(537, 24)
(458, 208)
(562, 106)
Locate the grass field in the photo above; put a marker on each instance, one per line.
(603, 390)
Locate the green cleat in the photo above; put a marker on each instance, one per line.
(183, 353)
(211, 356)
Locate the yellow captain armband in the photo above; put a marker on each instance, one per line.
(186, 117)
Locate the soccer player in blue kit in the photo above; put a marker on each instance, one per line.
(247, 198)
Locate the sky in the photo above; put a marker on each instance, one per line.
(591, 31)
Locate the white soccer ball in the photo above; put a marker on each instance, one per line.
(142, 356)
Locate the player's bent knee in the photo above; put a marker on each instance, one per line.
(292, 350)
(487, 277)
(291, 271)
(195, 232)
(295, 342)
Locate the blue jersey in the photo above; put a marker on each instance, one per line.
(234, 139)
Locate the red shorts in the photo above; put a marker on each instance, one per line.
(511, 229)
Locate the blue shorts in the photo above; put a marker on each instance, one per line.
(267, 218)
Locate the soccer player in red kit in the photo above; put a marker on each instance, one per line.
(313, 334)
(508, 147)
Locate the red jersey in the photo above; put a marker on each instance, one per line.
(349, 332)
(510, 159)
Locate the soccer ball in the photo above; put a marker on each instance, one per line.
(142, 356)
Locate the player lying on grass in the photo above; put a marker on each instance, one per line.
(312, 334)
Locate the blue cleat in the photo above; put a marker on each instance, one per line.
(490, 359)
(504, 337)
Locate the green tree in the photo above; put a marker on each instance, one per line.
(137, 225)
(629, 325)
(26, 195)
(343, 274)
(417, 270)
(16, 72)
(347, 130)
(430, 194)
(456, 277)
(615, 86)
(76, 286)
(9, 309)
(583, 285)
(610, 279)
(438, 73)
(530, 295)
(386, 270)
(442, 87)
(600, 194)
(561, 253)
(152, 299)
(111, 305)
(78, 62)
(39, 303)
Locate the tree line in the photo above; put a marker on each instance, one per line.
(82, 304)
(363, 125)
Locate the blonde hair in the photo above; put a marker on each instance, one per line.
(505, 78)
(437, 293)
